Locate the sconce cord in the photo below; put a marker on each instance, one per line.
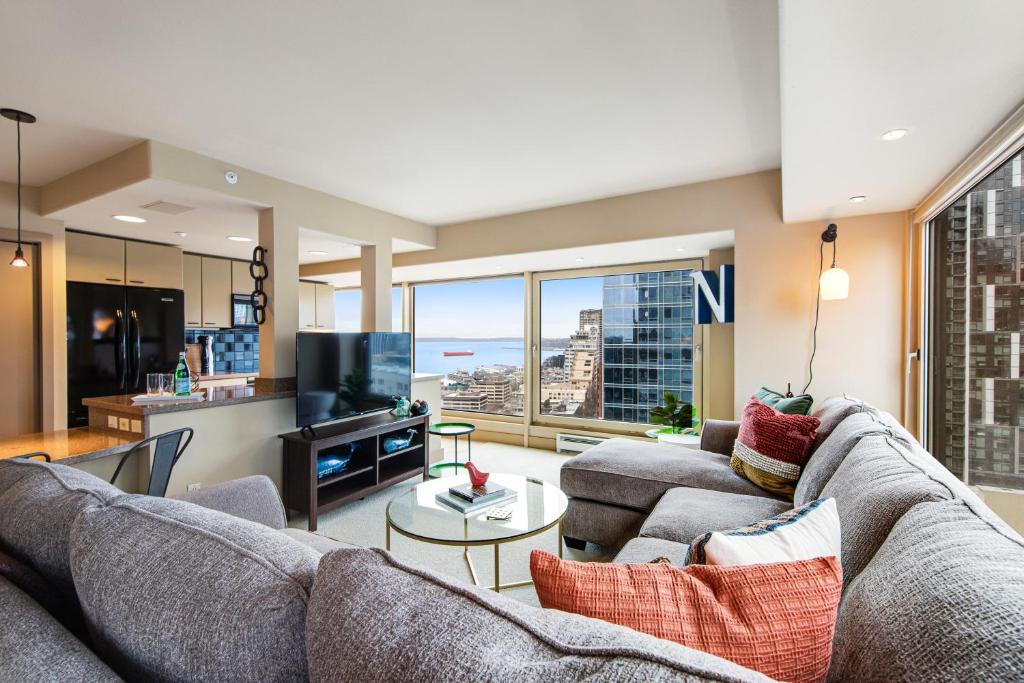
(817, 307)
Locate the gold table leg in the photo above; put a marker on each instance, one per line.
(387, 536)
(497, 577)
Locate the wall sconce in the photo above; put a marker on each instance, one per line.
(834, 283)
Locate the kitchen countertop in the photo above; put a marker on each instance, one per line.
(67, 446)
(216, 396)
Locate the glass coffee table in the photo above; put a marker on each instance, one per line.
(538, 507)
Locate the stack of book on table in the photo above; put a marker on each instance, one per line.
(468, 499)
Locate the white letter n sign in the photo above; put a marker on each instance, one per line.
(712, 293)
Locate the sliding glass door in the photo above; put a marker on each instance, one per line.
(975, 316)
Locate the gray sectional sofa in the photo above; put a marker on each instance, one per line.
(98, 585)
(933, 581)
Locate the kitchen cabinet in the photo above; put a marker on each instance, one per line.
(241, 281)
(324, 306)
(152, 265)
(216, 292)
(92, 258)
(307, 305)
(192, 271)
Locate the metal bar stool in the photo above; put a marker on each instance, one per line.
(169, 448)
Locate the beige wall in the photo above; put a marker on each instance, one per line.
(53, 294)
(860, 340)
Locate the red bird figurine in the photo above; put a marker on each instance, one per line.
(476, 477)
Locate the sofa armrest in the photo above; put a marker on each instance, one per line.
(718, 436)
(253, 498)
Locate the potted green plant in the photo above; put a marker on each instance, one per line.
(678, 416)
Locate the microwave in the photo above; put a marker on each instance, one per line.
(241, 311)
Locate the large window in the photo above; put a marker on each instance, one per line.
(471, 333)
(975, 414)
(348, 310)
(612, 345)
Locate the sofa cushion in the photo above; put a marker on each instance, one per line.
(772, 448)
(874, 486)
(685, 513)
(832, 411)
(643, 549)
(39, 502)
(437, 629)
(804, 533)
(941, 601)
(791, 405)
(635, 474)
(609, 526)
(828, 456)
(35, 647)
(776, 618)
(174, 591)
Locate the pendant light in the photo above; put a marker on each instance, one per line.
(19, 117)
(835, 282)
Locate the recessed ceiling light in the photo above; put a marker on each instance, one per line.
(181, 234)
(317, 252)
(858, 198)
(236, 238)
(680, 249)
(129, 219)
(579, 259)
(894, 134)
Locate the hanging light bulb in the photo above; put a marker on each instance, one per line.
(19, 117)
(834, 283)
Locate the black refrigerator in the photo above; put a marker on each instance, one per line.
(116, 336)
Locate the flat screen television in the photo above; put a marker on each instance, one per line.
(343, 374)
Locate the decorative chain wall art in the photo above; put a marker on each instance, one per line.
(259, 271)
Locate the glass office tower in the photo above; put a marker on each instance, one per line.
(647, 342)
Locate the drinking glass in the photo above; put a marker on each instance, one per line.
(154, 384)
(168, 384)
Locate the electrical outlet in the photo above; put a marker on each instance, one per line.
(193, 487)
(112, 421)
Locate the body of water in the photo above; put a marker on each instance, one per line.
(430, 355)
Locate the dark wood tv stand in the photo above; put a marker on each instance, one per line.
(369, 470)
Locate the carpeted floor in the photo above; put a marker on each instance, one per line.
(362, 523)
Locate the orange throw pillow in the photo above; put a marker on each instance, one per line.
(774, 618)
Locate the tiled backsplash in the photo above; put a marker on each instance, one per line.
(234, 350)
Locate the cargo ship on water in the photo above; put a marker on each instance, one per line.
(457, 353)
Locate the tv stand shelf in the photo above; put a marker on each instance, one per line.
(370, 469)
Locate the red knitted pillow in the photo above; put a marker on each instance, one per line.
(772, 447)
(774, 618)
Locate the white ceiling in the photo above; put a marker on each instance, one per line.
(621, 253)
(438, 111)
(207, 226)
(454, 109)
(949, 71)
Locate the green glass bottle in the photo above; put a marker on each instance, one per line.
(182, 377)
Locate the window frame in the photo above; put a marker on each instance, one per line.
(532, 378)
(474, 415)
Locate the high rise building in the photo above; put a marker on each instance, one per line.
(647, 347)
(977, 324)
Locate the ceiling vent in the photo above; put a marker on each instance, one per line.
(169, 208)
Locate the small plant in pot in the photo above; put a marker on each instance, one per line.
(678, 416)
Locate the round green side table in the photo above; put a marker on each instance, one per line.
(453, 429)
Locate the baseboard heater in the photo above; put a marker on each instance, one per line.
(576, 443)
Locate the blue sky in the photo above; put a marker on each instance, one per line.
(482, 308)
